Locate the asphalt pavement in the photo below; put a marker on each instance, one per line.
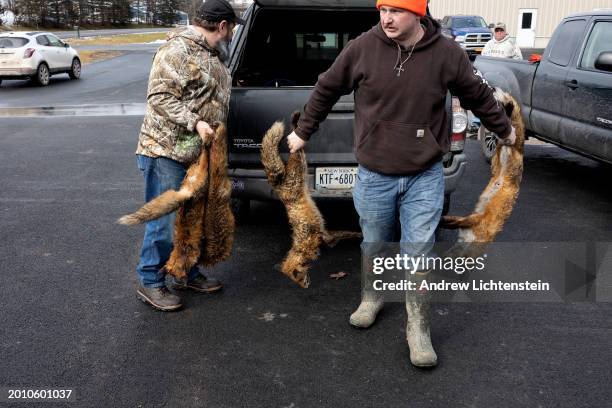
(70, 317)
(118, 80)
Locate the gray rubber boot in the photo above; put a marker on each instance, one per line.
(368, 309)
(422, 353)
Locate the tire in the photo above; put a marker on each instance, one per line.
(242, 209)
(75, 69)
(488, 142)
(42, 75)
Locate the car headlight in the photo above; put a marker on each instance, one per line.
(460, 38)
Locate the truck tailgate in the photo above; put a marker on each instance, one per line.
(254, 110)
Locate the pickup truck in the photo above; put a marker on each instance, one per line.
(566, 96)
(275, 60)
(471, 32)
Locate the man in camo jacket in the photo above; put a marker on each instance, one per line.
(189, 88)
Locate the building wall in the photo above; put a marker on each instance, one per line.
(549, 12)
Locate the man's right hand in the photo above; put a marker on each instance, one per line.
(295, 142)
(205, 132)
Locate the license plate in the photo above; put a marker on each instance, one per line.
(335, 178)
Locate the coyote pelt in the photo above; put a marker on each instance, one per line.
(204, 227)
(289, 183)
(497, 200)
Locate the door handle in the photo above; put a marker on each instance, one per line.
(573, 84)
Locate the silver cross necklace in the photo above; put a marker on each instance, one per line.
(400, 68)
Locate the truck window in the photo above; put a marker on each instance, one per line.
(282, 50)
(600, 40)
(565, 40)
(468, 22)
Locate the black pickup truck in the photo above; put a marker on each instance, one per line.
(275, 60)
(566, 97)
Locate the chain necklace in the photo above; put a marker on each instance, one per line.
(400, 68)
(399, 61)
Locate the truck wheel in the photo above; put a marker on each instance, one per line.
(241, 208)
(488, 142)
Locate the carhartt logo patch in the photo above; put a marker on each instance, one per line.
(420, 132)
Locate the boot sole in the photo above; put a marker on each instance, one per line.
(149, 302)
(209, 290)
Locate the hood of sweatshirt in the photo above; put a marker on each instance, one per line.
(503, 40)
(432, 34)
(189, 33)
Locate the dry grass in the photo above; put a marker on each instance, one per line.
(118, 39)
(88, 57)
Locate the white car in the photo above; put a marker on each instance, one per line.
(37, 56)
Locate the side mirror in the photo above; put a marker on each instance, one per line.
(66, 45)
(604, 61)
(491, 25)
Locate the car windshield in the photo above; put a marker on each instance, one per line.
(12, 42)
(465, 22)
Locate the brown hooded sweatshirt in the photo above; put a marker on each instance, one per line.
(401, 124)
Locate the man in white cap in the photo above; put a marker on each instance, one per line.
(501, 45)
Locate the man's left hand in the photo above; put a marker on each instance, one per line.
(510, 140)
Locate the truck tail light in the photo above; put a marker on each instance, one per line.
(457, 142)
(460, 124)
(28, 53)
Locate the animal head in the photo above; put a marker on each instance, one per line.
(513, 111)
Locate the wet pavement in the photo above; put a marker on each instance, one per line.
(118, 109)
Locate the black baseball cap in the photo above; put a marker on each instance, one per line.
(218, 10)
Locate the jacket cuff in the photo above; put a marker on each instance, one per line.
(192, 122)
(505, 133)
(301, 134)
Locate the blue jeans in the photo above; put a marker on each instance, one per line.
(415, 201)
(160, 175)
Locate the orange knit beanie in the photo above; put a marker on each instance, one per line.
(418, 7)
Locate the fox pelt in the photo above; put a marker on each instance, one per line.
(204, 226)
(498, 198)
(308, 226)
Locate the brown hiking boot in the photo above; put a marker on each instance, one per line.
(199, 284)
(160, 298)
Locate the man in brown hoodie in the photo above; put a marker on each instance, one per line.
(400, 72)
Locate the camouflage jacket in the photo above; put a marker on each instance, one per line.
(188, 83)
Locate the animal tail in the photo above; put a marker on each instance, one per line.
(331, 238)
(161, 205)
(270, 157)
(453, 222)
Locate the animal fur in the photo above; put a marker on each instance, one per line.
(497, 200)
(289, 183)
(204, 227)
